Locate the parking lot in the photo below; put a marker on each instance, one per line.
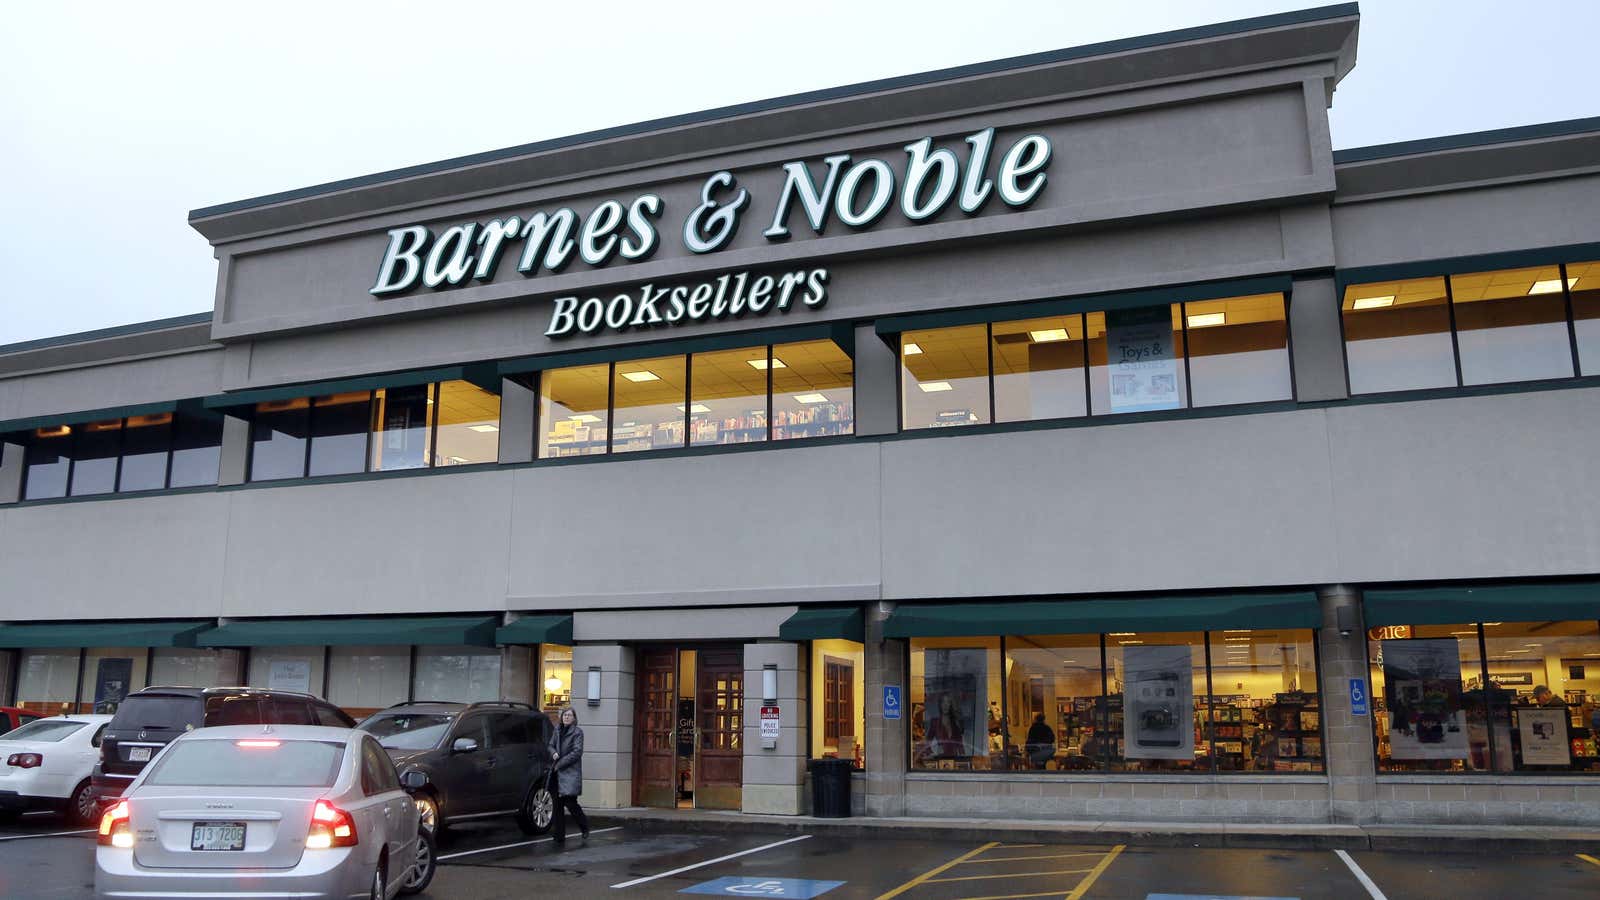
(40, 858)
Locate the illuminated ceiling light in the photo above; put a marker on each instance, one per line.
(1374, 302)
(1235, 631)
(1123, 633)
(911, 350)
(1205, 320)
(1473, 632)
(1519, 651)
(637, 377)
(1047, 335)
(552, 684)
(1550, 286)
(585, 418)
(698, 407)
(810, 398)
(762, 363)
(934, 387)
(484, 429)
(58, 431)
(1130, 642)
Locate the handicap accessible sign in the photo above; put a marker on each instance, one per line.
(891, 701)
(759, 886)
(1358, 696)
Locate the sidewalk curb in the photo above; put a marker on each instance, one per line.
(1266, 836)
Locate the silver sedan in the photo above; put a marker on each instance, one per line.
(264, 811)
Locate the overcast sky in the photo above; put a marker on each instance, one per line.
(117, 119)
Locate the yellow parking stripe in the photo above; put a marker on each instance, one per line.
(1095, 873)
(1589, 859)
(995, 859)
(1015, 896)
(932, 872)
(1008, 875)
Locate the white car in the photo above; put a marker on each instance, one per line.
(264, 811)
(46, 764)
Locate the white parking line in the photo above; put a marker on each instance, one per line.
(23, 837)
(1361, 876)
(710, 862)
(518, 844)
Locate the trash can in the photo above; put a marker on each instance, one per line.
(830, 788)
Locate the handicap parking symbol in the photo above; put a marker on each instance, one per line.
(758, 886)
(891, 701)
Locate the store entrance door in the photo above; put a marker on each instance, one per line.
(655, 750)
(689, 727)
(719, 770)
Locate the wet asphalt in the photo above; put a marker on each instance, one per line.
(490, 861)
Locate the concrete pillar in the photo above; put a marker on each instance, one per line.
(234, 466)
(608, 727)
(11, 458)
(877, 384)
(887, 740)
(1318, 342)
(518, 667)
(518, 408)
(774, 779)
(1348, 750)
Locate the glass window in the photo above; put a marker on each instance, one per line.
(1238, 350)
(1583, 282)
(109, 675)
(956, 720)
(48, 681)
(232, 709)
(469, 425)
(1428, 690)
(728, 399)
(146, 443)
(838, 706)
(648, 397)
(812, 391)
(48, 460)
(94, 458)
(1397, 336)
(555, 673)
(196, 451)
(944, 377)
(459, 674)
(1039, 369)
(573, 412)
(1267, 717)
(188, 667)
(1511, 325)
(1157, 713)
(1544, 695)
(224, 763)
(286, 669)
(1054, 708)
(339, 433)
(407, 731)
(363, 680)
(278, 439)
(1136, 360)
(402, 426)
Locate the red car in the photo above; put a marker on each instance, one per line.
(12, 717)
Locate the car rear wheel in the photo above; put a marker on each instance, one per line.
(380, 880)
(84, 807)
(538, 810)
(421, 871)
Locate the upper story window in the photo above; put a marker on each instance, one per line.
(1175, 356)
(745, 395)
(1476, 328)
(138, 453)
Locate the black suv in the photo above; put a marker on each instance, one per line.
(481, 759)
(149, 719)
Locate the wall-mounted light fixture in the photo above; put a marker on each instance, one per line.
(769, 683)
(594, 686)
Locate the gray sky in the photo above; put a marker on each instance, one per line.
(117, 119)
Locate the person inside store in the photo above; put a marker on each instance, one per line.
(1041, 742)
(568, 777)
(1543, 696)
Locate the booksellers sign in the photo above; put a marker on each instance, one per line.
(730, 295)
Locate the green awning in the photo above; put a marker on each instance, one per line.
(102, 634)
(536, 630)
(1168, 613)
(88, 415)
(483, 375)
(389, 631)
(825, 623)
(1551, 602)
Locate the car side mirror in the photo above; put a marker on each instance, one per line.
(414, 780)
(464, 745)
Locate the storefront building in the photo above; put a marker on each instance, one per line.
(1071, 436)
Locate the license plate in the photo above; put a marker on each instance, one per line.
(217, 836)
(138, 754)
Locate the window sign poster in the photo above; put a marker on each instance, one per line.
(1544, 737)
(111, 679)
(290, 675)
(1142, 368)
(953, 684)
(1158, 702)
(1422, 684)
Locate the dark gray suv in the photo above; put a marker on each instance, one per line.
(481, 760)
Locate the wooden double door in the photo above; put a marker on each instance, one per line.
(698, 731)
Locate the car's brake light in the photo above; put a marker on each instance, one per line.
(256, 745)
(115, 829)
(25, 760)
(330, 827)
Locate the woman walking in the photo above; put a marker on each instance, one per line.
(568, 756)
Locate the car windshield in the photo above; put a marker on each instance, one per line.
(158, 712)
(43, 730)
(248, 762)
(407, 731)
